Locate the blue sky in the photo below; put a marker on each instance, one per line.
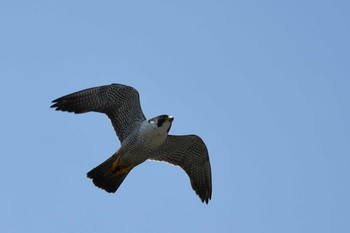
(264, 83)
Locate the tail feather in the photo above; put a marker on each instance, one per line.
(104, 178)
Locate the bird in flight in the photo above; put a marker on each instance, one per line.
(140, 139)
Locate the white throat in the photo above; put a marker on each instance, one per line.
(153, 135)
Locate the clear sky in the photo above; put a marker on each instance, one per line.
(264, 83)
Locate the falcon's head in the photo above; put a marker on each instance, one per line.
(162, 121)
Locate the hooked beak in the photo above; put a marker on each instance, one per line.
(170, 118)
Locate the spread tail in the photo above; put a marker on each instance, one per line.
(108, 175)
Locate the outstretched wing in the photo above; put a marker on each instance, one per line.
(119, 102)
(190, 153)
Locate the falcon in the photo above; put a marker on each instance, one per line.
(140, 139)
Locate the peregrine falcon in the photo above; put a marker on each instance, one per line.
(140, 139)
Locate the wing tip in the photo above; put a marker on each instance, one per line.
(203, 186)
(206, 197)
(55, 105)
(63, 105)
(204, 193)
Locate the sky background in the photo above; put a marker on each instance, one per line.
(264, 83)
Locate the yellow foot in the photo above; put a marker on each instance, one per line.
(115, 164)
(117, 169)
(122, 170)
